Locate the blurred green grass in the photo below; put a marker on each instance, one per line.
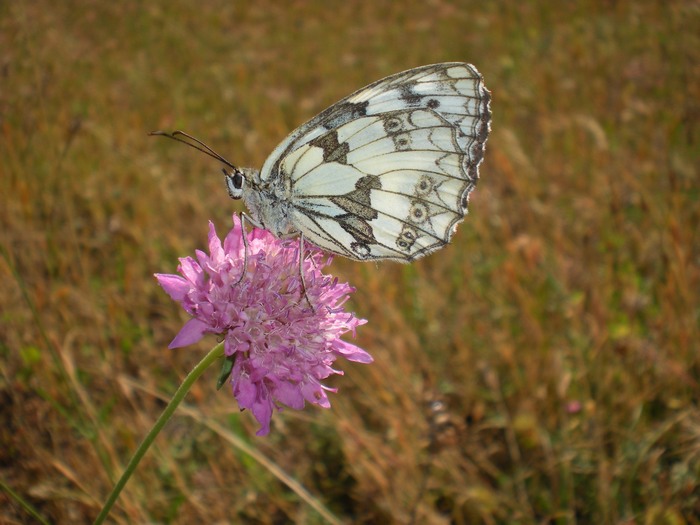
(559, 332)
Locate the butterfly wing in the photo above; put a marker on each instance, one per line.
(386, 172)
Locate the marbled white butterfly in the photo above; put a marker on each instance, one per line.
(385, 173)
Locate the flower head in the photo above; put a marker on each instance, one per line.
(282, 347)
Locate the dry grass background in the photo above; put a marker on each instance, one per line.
(559, 332)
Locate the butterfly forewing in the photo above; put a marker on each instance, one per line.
(386, 172)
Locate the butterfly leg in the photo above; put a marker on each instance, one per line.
(245, 217)
(292, 235)
(301, 270)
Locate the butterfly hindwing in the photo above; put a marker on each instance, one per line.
(386, 172)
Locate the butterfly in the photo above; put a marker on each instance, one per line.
(385, 173)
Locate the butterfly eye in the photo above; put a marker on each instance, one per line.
(234, 183)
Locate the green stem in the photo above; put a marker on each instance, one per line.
(198, 370)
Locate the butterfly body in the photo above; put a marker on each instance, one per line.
(270, 203)
(385, 173)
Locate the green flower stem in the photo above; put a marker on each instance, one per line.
(198, 370)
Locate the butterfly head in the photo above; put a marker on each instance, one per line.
(234, 182)
(238, 178)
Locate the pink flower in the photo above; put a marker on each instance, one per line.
(282, 348)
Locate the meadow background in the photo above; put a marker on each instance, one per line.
(544, 368)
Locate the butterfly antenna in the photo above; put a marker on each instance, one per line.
(193, 142)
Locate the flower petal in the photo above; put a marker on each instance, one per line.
(289, 395)
(255, 398)
(352, 352)
(174, 285)
(313, 393)
(192, 332)
(191, 270)
(216, 251)
(234, 238)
